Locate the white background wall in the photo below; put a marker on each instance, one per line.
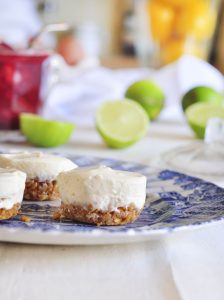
(103, 13)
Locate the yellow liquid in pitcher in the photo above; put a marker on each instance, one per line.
(181, 26)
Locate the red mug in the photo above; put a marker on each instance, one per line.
(22, 80)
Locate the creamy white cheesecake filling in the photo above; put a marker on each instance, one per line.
(12, 185)
(37, 164)
(102, 187)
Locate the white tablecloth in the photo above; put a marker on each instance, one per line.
(182, 266)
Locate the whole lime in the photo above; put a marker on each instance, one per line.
(45, 133)
(149, 95)
(201, 94)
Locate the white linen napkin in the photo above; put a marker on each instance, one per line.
(77, 95)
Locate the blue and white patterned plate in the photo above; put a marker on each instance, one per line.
(174, 202)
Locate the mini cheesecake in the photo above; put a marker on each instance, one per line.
(100, 195)
(12, 185)
(41, 170)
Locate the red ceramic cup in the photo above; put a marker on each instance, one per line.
(21, 85)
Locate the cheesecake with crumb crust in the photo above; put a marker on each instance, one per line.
(12, 185)
(100, 195)
(41, 170)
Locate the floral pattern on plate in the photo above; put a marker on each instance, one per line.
(174, 201)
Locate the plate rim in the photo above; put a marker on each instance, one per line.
(38, 237)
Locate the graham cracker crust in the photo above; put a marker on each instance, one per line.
(36, 190)
(9, 213)
(90, 215)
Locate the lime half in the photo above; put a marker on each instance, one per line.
(121, 123)
(45, 133)
(201, 94)
(149, 95)
(198, 115)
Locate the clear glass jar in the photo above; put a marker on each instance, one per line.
(167, 29)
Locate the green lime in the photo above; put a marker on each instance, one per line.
(201, 94)
(121, 123)
(149, 95)
(198, 115)
(45, 133)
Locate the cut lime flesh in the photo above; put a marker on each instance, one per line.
(198, 115)
(149, 95)
(45, 133)
(121, 123)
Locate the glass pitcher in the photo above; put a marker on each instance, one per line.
(22, 79)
